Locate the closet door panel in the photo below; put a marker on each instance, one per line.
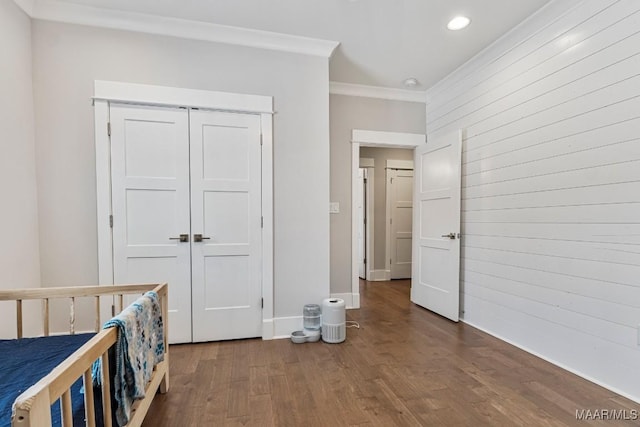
(224, 269)
(150, 204)
(225, 151)
(226, 211)
(227, 216)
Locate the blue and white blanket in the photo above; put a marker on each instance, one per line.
(140, 346)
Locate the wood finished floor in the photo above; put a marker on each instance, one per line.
(405, 366)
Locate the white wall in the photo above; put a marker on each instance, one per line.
(348, 113)
(67, 60)
(19, 264)
(551, 187)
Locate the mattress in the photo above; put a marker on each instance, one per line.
(23, 362)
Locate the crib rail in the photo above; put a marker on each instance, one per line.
(32, 408)
(71, 294)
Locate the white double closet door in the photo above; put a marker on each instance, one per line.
(186, 204)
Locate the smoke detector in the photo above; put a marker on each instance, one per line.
(411, 82)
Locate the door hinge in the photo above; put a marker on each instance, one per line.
(109, 128)
(110, 221)
(364, 261)
(390, 220)
(113, 310)
(390, 261)
(261, 302)
(391, 181)
(260, 139)
(261, 222)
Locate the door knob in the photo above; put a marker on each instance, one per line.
(183, 238)
(199, 238)
(452, 236)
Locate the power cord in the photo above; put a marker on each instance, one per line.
(354, 324)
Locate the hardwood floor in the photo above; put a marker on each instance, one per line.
(405, 366)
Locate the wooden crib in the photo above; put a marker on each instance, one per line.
(32, 408)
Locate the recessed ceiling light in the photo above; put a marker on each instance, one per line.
(458, 23)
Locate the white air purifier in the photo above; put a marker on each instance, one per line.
(334, 324)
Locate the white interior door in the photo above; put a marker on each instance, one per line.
(400, 191)
(361, 221)
(150, 204)
(226, 212)
(435, 282)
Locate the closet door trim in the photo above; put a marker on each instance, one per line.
(120, 92)
(179, 97)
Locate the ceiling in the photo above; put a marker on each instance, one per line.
(382, 42)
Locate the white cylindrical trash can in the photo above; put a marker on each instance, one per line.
(334, 325)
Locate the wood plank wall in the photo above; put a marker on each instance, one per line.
(551, 186)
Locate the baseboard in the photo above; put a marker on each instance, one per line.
(379, 275)
(554, 362)
(352, 301)
(267, 329)
(356, 300)
(280, 327)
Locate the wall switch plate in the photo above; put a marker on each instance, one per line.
(334, 207)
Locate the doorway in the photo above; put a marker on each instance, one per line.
(362, 220)
(366, 138)
(390, 173)
(366, 217)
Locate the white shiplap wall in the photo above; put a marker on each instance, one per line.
(551, 186)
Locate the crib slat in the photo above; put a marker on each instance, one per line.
(45, 316)
(106, 391)
(72, 317)
(164, 302)
(19, 318)
(67, 413)
(89, 409)
(97, 308)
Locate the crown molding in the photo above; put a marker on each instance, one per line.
(350, 89)
(538, 21)
(52, 10)
(26, 6)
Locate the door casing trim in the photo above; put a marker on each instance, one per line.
(121, 92)
(370, 138)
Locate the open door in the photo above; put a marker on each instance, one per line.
(362, 232)
(435, 283)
